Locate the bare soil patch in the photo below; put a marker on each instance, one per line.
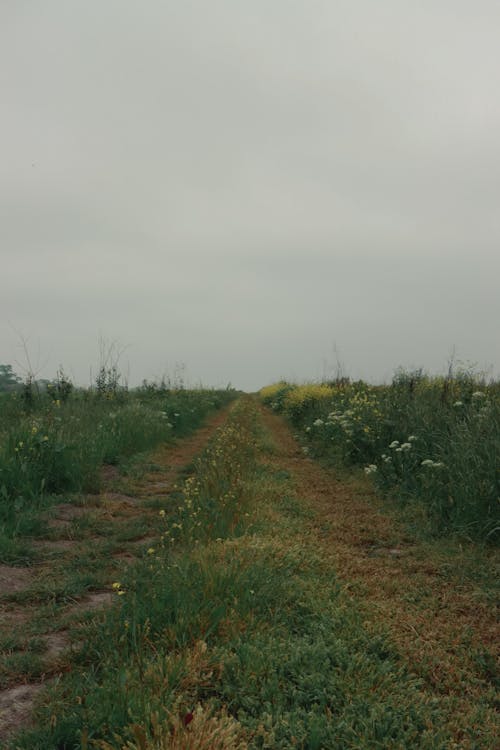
(118, 497)
(14, 579)
(16, 705)
(57, 545)
(56, 643)
(13, 617)
(67, 511)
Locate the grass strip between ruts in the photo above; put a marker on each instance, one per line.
(234, 633)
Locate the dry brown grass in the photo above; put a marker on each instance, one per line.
(200, 730)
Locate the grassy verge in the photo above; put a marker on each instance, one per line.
(234, 633)
(432, 443)
(56, 447)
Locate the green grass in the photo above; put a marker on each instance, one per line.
(431, 442)
(237, 618)
(49, 447)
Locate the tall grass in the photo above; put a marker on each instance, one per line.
(50, 445)
(432, 441)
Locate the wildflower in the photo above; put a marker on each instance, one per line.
(387, 460)
(478, 395)
(406, 447)
(399, 450)
(412, 438)
(318, 423)
(308, 429)
(458, 403)
(116, 585)
(188, 718)
(432, 464)
(394, 444)
(162, 513)
(371, 469)
(121, 592)
(151, 551)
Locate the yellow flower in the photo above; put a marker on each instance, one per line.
(117, 585)
(303, 395)
(151, 551)
(162, 513)
(269, 391)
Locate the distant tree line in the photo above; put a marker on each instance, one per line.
(9, 381)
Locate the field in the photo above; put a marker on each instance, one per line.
(309, 567)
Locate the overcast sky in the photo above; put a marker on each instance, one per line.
(242, 187)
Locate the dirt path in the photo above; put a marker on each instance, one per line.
(441, 618)
(79, 536)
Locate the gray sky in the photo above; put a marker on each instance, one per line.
(240, 186)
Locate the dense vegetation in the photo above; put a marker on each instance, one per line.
(233, 624)
(431, 442)
(233, 633)
(55, 440)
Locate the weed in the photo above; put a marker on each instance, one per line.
(433, 442)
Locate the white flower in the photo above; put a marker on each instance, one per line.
(458, 403)
(394, 444)
(479, 394)
(398, 450)
(387, 460)
(432, 464)
(412, 438)
(371, 469)
(406, 447)
(308, 429)
(318, 423)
